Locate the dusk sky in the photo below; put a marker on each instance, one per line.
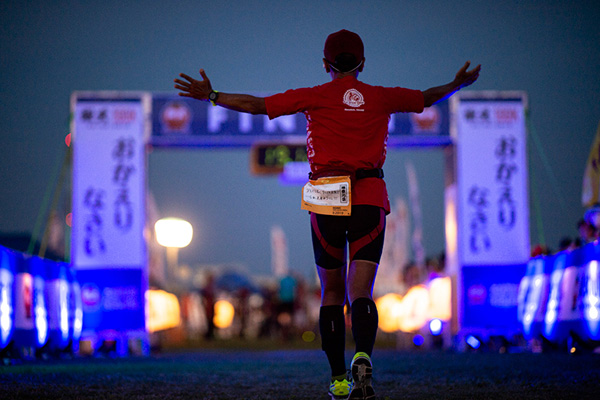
(49, 49)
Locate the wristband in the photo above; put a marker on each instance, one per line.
(213, 96)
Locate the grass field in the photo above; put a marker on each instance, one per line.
(302, 373)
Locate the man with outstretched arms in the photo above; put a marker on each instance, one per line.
(347, 131)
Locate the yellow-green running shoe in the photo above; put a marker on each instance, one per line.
(339, 390)
(362, 372)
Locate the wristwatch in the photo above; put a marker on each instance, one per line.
(213, 96)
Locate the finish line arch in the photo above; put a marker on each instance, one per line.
(486, 206)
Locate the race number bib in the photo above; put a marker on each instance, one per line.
(329, 196)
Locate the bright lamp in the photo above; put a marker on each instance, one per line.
(173, 232)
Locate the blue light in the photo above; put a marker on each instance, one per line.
(435, 326)
(418, 340)
(473, 342)
(39, 309)
(6, 306)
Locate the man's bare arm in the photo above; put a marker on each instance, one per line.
(200, 89)
(462, 79)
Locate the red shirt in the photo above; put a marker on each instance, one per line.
(348, 127)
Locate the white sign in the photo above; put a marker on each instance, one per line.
(492, 180)
(109, 136)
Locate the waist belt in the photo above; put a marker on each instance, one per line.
(359, 174)
(369, 173)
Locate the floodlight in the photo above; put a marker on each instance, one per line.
(173, 232)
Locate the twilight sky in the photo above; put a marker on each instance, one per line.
(549, 49)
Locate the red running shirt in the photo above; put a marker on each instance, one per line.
(347, 127)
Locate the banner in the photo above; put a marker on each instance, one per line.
(180, 121)
(108, 180)
(108, 243)
(591, 176)
(493, 226)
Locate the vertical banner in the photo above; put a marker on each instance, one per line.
(591, 175)
(108, 182)
(492, 181)
(110, 131)
(492, 206)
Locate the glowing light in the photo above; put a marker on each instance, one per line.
(5, 310)
(593, 314)
(435, 326)
(224, 313)
(473, 342)
(76, 309)
(69, 219)
(389, 308)
(415, 306)
(63, 289)
(163, 311)
(68, 140)
(6, 306)
(308, 336)
(173, 232)
(41, 316)
(593, 268)
(418, 340)
(440, 298)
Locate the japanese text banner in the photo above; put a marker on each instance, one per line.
(108, 182)
(492, 180)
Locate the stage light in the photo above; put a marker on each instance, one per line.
(473, 342)
(435, 326)
(68, 140)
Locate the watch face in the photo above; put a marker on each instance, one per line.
(212, 96)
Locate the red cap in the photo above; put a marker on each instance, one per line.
(343, 42)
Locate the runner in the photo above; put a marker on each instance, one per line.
(346, 144)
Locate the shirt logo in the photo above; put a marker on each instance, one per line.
(353, 98)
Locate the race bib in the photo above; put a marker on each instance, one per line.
(329, 196)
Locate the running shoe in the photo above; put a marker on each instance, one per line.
(339, 390)
(362, 372)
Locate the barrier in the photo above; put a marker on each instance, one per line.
(75, 309)
(533, 296)
(31, 318)
(41, 308)
(590, 292)
(57, 297)
(7, 277)
(559, 297)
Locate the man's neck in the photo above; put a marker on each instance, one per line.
(339, 75)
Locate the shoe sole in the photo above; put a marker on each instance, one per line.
(334, 397)
(362, 372)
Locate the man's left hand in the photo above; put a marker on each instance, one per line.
(194, 88)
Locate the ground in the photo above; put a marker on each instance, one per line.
(240, 373)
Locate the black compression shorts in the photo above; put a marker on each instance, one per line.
(363, 230)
